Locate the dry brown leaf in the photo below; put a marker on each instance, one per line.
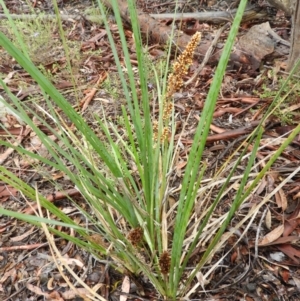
(285, 274)
(7, 275)
(290, 251)
(179, 166)
(261, 187)
(6, 191)
(201, 279)
(125, 288)
(271, 236)
(71, 294)
(288, 239)
(268, 219)
(292, 222)
(271, 181)
(53, 296)
(290, 226)
(50, 285)
(233, 257)
(277, 199)
(283, 200)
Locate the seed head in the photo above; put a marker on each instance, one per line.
(135, 236)
(165, 262)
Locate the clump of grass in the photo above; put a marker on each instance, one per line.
(39, 41)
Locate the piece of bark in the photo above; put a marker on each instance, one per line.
(160, 33)
(295, 38)
(258, 43)
(291, 7)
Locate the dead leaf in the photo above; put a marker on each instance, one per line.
(271, 181)
(53, 296)
(261, 187)
(284, 240)
(7, 191)
(233, 257)
(292, 222)
(268, 219)
(290, 251)
(283, 200)
(285, 274)
(179, 166)
(125, 288)
(202, 280)
(290, 226)
(71, 294)
(272, 236)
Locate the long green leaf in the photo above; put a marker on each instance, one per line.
(186, 201)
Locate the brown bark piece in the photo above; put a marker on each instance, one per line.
(295, 39)
(257, 43)
(161, 34)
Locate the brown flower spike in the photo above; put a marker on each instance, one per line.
(180, 67)
(175, 79)
(165, 262)
(135, 236)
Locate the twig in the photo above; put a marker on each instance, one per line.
(54, 197)
(207, 55)
(215, 17)
(43, 17)
(88, 98)
(23, 247)
(276, 36)
(52, 17)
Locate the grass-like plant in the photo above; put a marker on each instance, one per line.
(126, 179)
